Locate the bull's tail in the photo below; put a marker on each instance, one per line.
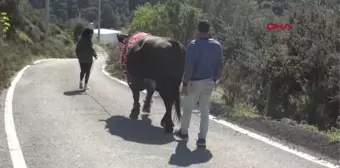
(179, 52)
(176, 43)
(177, 103)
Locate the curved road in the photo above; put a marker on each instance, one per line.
(58, 127)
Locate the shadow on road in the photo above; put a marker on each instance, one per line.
(74, 92)
(184, 157)
(140, 131)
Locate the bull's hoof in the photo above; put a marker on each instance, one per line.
(169, 130)
(146, 108)
(134, 116)
(134, 113)
(163, 123)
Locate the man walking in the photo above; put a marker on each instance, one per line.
(204, 64)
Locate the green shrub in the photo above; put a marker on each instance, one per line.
(78, 30)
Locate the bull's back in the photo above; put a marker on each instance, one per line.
(157, 57)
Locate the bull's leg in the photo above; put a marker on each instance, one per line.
(166, 121)
(136, 106)
(148, 101)
(150, 88)
(168, 124)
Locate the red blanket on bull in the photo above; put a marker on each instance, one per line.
(128, 44)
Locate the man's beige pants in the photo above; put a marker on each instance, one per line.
(200, 91)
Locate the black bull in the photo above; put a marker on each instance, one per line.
(160, 60)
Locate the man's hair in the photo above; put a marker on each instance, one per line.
(87, 34)
(203, 26)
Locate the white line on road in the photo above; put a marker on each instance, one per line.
(251, 134)
(17, 157)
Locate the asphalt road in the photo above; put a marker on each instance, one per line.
(58, 127)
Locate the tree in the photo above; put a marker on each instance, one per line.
(72, 8)
(158, 19)
(109, 19)
(38, 4)
(78, 30)
(150, 18)
(59, 9)
(83, 3)
(90, 14)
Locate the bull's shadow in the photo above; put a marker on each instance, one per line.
(140, 131)
(184, 157)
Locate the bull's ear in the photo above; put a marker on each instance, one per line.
(122, 37)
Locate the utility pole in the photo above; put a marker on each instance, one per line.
(79, 17)
(99, 17)
(47, 18)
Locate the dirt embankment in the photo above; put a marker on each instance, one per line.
(285, 131)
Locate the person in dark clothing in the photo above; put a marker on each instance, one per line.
(85, 52)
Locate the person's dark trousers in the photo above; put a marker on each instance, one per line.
(85, 69)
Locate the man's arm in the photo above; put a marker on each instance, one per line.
(94, 52)
(77, 50)
(219, 64)
(189, 64)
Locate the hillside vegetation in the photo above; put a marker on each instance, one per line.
(281, 74)
(22, 38)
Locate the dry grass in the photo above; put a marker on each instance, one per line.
(113, 61)
(14, 55)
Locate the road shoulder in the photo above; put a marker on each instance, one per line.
(5, 159)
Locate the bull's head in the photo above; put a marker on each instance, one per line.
(122, 38)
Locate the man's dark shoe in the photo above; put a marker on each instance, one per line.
(201, 143)
(181, 135)
(80, 85)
